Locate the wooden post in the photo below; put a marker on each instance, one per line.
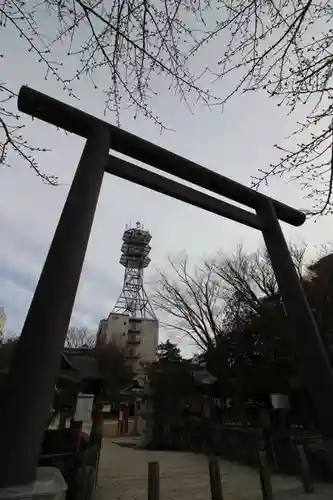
(265, 476)
(62, 420)
(153, 481)
(28, 396)
(304, 470)
(135, 423)
(215, 479)
(96, 438)
(97, 428)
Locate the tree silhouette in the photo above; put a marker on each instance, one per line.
(116, 373)
(192, 300)
(204, 302)
(168, 351)
(231, 308)
(78, 337)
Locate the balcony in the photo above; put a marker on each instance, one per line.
(132, 356)
(133, 340)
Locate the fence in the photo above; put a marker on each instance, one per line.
(242, 445)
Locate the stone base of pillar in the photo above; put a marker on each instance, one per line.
(49, 485)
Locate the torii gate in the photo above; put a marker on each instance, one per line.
(36, 361)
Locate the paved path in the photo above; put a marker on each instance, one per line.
(184, 476)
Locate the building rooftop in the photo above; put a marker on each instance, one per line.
(83, 362)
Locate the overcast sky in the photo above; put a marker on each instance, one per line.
(236, 143)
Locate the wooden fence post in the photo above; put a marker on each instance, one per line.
(153, 481)
(62, 420)
(215, 479)
(265, 476)
(96, 438)
(304, 470)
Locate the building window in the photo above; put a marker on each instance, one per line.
(125, 323)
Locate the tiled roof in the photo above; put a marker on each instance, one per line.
(83, 363)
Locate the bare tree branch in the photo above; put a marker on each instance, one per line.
(283, 47)
(125, 43)
(193, 301)
(78, 337)
(208, 302)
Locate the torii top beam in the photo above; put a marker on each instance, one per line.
(80, 123)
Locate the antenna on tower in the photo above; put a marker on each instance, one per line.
(135, 249)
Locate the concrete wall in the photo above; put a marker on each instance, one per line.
(136, 338)
(149, 340)
(117, 330)
(101, 332)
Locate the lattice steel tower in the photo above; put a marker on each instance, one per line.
(135, 249)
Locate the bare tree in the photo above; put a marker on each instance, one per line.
(80, 337)
(192, 301)
(219, 294)
(249, 280)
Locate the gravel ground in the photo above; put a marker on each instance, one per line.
(184, 476)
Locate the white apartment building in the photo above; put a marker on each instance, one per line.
(137, 338)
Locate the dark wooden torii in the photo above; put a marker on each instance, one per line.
(36, 362)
